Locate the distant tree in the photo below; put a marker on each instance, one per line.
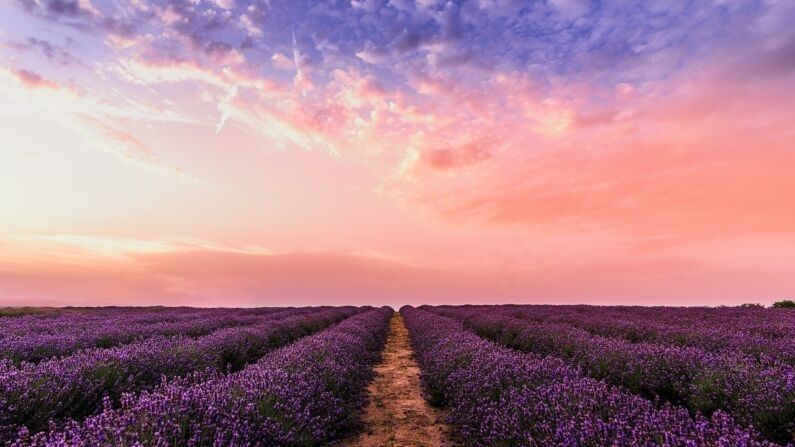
(751, 305)
(784, 303)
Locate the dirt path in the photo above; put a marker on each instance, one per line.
(397, 414)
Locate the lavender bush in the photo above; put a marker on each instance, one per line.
(758, 393)
(305, 394)
(499, 397)
(763, 333)
(31, 395)
(37, 338)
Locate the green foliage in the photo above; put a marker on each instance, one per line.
(708, 392)
(784, 304)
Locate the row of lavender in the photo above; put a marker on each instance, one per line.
(769, 322)
(305, 394)
(758, 393)
(498, 396)
(33, 394)
(758, 332)
(59, 321)
(38, 337)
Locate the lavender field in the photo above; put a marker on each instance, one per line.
(339, 199)
(509, 375)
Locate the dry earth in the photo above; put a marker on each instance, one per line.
(397, 414)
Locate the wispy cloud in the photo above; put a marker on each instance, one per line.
(89, 116)
(31, 79)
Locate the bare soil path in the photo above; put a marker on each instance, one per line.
(397, 414)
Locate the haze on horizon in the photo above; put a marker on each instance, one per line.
(264, 152)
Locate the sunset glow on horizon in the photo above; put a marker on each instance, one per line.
(267, 153)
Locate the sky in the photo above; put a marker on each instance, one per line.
(266, 152)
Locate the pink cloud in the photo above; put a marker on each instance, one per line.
(453, 157)
(450, 158)
(282, 62)
(31, 79)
